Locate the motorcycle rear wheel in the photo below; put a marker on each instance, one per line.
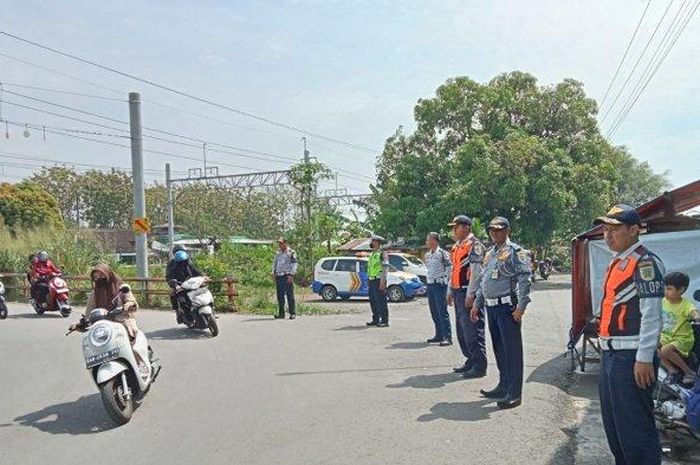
(3, 311)
(118, 407)
(38, 308)
(213, 325)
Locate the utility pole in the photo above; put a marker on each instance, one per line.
(204, 154)
(137, 172)
(171, 209)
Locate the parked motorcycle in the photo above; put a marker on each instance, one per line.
(545, 269)
(123, 372)
(57, 298)
(196, 304)
(3, 302)
(671, 406)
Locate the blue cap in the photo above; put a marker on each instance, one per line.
(460, 219)
(499, 222)
(377, 238)
(620, 214)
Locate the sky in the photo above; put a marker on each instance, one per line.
(351, 71)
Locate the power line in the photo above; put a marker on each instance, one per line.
(350, 174)
(185, 94)
(656, 68)
(63, 92)
(147, 100)
(670, 31)
(631, 73)
(624, 56)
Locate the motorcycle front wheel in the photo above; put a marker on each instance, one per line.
(118, 406)
(213, 325)
(3, 311)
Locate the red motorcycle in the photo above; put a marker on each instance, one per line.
(57, 299)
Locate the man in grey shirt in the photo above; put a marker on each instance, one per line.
(284, 267)
(504, 291)
(439, 265)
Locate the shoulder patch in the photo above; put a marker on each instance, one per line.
(523, 256)
(646, 270)
(479, 248)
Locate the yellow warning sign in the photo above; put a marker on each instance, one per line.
(142, 226)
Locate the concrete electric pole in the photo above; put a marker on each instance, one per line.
(141, 238)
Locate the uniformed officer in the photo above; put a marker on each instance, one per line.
(504, 290)
(467, 257)
(284, 267)
(439, 265)
(376, 274)
(630, 328)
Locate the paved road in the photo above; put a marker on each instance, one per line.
(317, 390)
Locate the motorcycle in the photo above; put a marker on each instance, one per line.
(671, 406)
(195, 304)
(123, 373)
(3, 302)
(545, 269)
(57, 299)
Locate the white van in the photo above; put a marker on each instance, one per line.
(410, 264)
(346, 277)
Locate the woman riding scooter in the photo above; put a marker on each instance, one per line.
(106, 285)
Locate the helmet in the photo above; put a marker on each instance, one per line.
(178, 248)
(181, 256)
(42, 256)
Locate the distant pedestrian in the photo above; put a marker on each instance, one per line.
(630, 329)
(439, 264)
(284, 267)
(376, 273)
(467, 258)
(504, 291)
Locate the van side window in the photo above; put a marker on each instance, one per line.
(345, 265)
(363, 266)
(328, 265)
(396, 261)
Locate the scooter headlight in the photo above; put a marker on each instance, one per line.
(100, 336)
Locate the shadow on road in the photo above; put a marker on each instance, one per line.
(84, 416)
(268, 318)
(551, 285)
(434, 381)
(358, 370)
(353, 328)
(178, 334)
(33, 316)
(409, 345)
(555, 372)
(460, 411)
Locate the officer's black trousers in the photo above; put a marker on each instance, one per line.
(285, 289)
(507, 341)
(377, 302)
(627, 410)
(470, 335)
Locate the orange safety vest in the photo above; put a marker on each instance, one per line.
(461, 272)
(620, 314)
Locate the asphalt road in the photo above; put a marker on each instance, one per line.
(317, 390)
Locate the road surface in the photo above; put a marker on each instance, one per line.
(317, 390)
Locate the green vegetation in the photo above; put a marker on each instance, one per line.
(509, 147)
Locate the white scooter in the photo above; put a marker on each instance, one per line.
(122, 373)
(195, 294)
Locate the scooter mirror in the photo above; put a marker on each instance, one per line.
(696, 295)
(125, 289)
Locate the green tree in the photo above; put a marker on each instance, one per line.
(509, 147)
(28, 206)
(62, 183)
(107, 198)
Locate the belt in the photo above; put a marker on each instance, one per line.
(506, 299)
(618, 344)
(437, 281)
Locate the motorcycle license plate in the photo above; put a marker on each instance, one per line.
(95, 360)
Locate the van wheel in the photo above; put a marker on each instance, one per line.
(329, 293)
(395, 294)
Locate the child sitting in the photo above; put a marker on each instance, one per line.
(677, 338)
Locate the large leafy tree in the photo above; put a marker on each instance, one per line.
(28, 206)
(509, 147)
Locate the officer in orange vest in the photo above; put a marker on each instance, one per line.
(467, 258)
(630, 328)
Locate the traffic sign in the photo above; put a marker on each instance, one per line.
(142, 226)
